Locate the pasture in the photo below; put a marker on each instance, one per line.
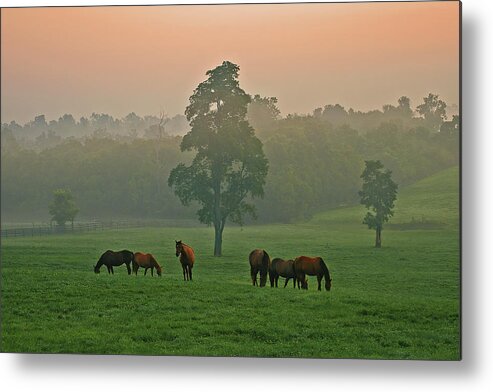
(398, 302)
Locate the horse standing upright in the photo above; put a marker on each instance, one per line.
(187, 259)
(284, 268)
(111, 259)
(259, 262)
(145, 260)
(304, 265)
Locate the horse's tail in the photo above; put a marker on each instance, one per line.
(326, 273)
(265, 268)
(266, 259)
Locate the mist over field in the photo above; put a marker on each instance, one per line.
(118, 168)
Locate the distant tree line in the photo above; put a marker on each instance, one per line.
(40, 133)
(315, 160)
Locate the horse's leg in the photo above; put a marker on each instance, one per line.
(145, 272)
(252, 275)
(190, 271)
(286, 282)
(109, 269)
(184, 272)
(128, 269)
(300, 278)
(152, 271)
(319, 280)
(294, 283)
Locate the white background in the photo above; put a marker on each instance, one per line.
(473, 373)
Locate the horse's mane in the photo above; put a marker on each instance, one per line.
(104, 255)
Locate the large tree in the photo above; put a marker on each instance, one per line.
(229, 167)
(63, 207)
(378, 195)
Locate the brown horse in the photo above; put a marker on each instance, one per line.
(304, 265)
(284, 268)
(259, 262)
(187, 258)
(145, 260)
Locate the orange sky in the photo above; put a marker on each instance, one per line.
(121, 59)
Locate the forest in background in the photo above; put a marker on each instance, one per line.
(118, 168)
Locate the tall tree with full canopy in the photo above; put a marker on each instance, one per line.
(378, 195)
(229, 167)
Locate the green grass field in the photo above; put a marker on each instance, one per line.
(398, 302)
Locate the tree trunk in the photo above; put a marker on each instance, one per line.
(378, 238)
(218, 232)
(218, 240)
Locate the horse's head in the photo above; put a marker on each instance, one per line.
(159, 270)
(179, 247)
(328, 284)
(96, 269)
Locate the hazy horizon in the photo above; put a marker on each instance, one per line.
(145, 59)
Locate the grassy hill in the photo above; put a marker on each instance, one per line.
(433, 202)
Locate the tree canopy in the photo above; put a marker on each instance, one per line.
(63, 207)
(433, 110)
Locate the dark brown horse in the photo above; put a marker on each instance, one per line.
(146, 260)
(259, 262)
(284, 268)
(187, 258)
(304, 265)
(111, 259)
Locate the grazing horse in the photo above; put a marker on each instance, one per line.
(304, 265)
(284, 268)
(111, 259)
(146, 260)
(259, 262)
(187, 258)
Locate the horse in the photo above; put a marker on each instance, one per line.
(304, 265)
(145, 260)
(111, 259)
(259, 262)
(187, 258)
(284, 268)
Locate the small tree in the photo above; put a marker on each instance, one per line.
(229, 167)
(378, 195)
(63, 207)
